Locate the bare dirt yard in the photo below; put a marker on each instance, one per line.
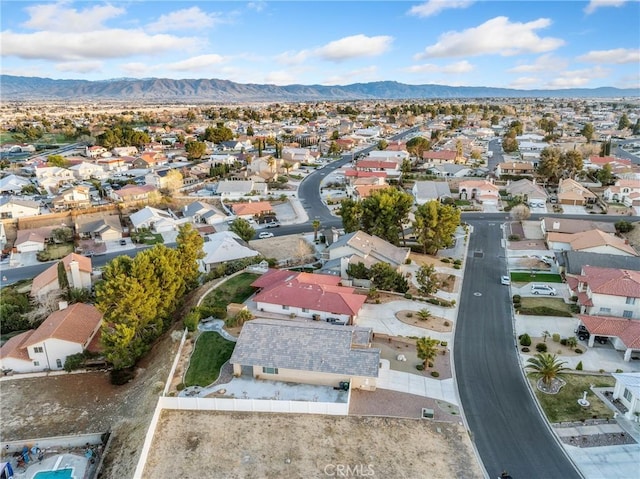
(290, 250)
(634, 236)
(242, 445)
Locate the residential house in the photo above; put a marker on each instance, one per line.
(571, 262)
(594, 241)
(76, 197)
(297, 156)
(483, 191)
(115, 165)
(3, 236)
(306, 295)
(199, 212)
(397, 156)
(346, 144)
(94, 151)
(150, 159)
(13, 184)
(361, 191)
(391, 168)
(527, 191)
(12, 207)
(627, 391)
(235, 145)
(425, 191)
(65, 332)
(33, 240)
(153, 219)
(221, 247)
(375, 177)
(77, 270)
(125, 151)
(251, 209)
(432, 157)
(106, 228)
(85, 171)
(624, 191)
(597, 162)
(360, 247)
(570, 192)
(607, 291)
(237, 189)
(624, 334)
(307, 352)
(450, 170)
(565, 225)
(515, 168)
(49, 177)
(161, 178)
(132, 193)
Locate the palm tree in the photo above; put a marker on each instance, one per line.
(316, 227)
(427, 349)
(424, 314)
(545, 335)
(546, 366)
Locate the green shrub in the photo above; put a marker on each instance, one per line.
(574, 298)
(444, 343)
(445, 260)
(525, 340)
(575, 308)
(541, 347)
(555, 337)
(458, 262)
(408, 296)
(409, 314)
(579, 366)
(407, 261)
(435, 374)
(525, 350)
(578, 351)
(191, 320)
(447, 323)
(457, 266)
(517, 298)
(545, 311)
(619, 370)
(420, 367)
(180, 386)
(73, 362)
(563, 341)
(514, 237)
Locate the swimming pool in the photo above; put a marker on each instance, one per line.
(58, 474)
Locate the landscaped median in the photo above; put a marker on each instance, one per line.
(535, 277)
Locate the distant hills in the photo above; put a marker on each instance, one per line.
(16, 88)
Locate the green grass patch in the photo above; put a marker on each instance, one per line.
(545, 307)
(6, 137)
(524, 277)
(147, 238)
(55, 251)
(462, 202)
(234, 290)
(563, 407)
(210, 353)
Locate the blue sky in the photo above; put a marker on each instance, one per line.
(514, 44)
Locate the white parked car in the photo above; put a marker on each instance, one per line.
(505, 280)
(543, 289)
(265, 234)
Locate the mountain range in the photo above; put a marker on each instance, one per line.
(17, 88)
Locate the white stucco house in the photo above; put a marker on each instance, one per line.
(12, 207)
(627, 391)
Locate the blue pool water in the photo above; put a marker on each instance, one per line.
(59, 474)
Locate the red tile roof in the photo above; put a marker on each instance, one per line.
(316, 292)
(612, 281)
(75, 324)
(628, 330)
(366, 174)
(14, 347)
(380, 164)
(440, 155)
(51, 273)
(251, 208)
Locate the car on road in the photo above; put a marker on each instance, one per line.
(543, 289)
(265, 234)
(505, 280)
(273, 224)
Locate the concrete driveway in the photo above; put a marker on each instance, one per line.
(574, 210)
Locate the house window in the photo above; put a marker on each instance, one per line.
(36, 363)
(631, 301)
(627, 314)
(605, 310)
(627, 394)
(269, 370)
(38, 349)
(284, 306)
(305, 310)
(58, 363)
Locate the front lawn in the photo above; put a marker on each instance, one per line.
(147, 238)
(235, 290)
(210, 353)
(55, 251)
(544, 307)
(564, 407)
(524, 277)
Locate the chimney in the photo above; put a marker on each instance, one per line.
(556, 225)
(76, 281)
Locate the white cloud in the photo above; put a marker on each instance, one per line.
(186, 19)
(58, 17)
(201, 62)
(577, 78)
(355, 46)
(544, 63)
(595, 4)
(136, 69)
(292, 57)
(71, 46)
(361, 75)
(79, 67)
(453, 68)
(281, 77)
(524, 83)
(618, 56)
(495, 36)
(257, 6)
(433, 7)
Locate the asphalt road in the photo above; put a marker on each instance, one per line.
(506, 426)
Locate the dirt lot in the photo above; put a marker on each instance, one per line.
(294, 249)
(634, 236)
(243, 445)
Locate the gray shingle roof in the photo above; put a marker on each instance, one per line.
(307, 346)
(573, 261)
